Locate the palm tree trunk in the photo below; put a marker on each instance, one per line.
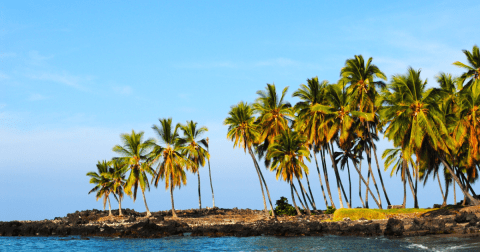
(378, 167)
(440, 184)
(174, 215)
(410, 182)
(360, 184)
(299, 199)
(265, 183)
(349, 183)
(210, 174)
(337, 175)
(293, 199)
(311, 194)
(454, 194)
(404, 178)
(467, 183)
(199, 194)
(446, 194)
(368, 188)
(369, 159)
(120, 205)
(145, 201)
(259, 179)
(320, 178)
(325, 174)
(417, 169)
(366, 193)
(109, 207)
(303, 193)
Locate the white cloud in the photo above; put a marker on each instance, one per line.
(124, 90)
(37, 97)
(35, 58)
(64, 78)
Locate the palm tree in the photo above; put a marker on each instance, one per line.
(274, 115)
(117, 178)
(308, 122)
(134, 154)
(415, 122)
(361, 77)
(170, 158)
(472, 73)
(395, 158)
(288, 152)
(194, 150)
(103, 185)
(210, 175)
(243, 132)
(341, 158)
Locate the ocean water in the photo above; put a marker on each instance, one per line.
(262, 243)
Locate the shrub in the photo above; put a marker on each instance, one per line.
(330, 210)
(283, 208)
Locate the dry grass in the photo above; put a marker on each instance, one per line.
(378, 214)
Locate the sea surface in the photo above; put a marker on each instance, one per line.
(261, 243)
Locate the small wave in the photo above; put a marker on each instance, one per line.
(420, 246)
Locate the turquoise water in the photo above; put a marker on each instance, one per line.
(262, 243)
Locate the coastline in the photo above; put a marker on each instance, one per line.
(217, 222)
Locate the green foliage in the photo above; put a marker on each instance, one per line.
(283, 208)
(330, 210)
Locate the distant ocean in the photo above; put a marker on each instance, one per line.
(262, 243)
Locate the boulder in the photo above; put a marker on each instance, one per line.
(394, 227)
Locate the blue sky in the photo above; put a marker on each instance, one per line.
(75, 75)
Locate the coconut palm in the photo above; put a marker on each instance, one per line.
(308, 122)
(134, 153)
(103, 185)
(415, 120)
(170, 158)
(363, 91)
(287, 153)
(274, 115)
(472, 73)
(117, 178)
(395, 159)
(210, 174)
(243, 132)
(194, 150)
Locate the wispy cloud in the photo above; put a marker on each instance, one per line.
(37, 97)
(275, 62)
(184, 96)
(35, 58)
(2, 105)
(123, 90)
(207, 65)
(63, 78)
(8, 55)
(279, 62)
(4, 76)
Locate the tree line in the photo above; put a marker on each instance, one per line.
(171, 154)
(434, 131)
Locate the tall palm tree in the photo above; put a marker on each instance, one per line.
(362, 88)
(170, 158)
(103, 185)
(288, 152)
(117, 178)
(210, 175)
(395, 158)
(472, 73)
(274, 115)
(243, 132)
(194, 150)
(308, 122)
(134, 153)
(415, 120)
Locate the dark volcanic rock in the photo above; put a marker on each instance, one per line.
(394, 227)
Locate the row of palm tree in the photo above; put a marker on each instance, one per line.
(430, 129)
(166, 159)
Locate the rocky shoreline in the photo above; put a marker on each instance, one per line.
(243, 223)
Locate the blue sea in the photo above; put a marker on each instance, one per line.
(261, 243)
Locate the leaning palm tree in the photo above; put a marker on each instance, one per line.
(243, 132)
(194, 150)
(395, 158)
(210, 174)
(117, 178)
(170, 158)
(415, 123)
(134, 153)
(103, 185)
(472, 73)
(308, 122)
(360, 76)
(288, 152)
